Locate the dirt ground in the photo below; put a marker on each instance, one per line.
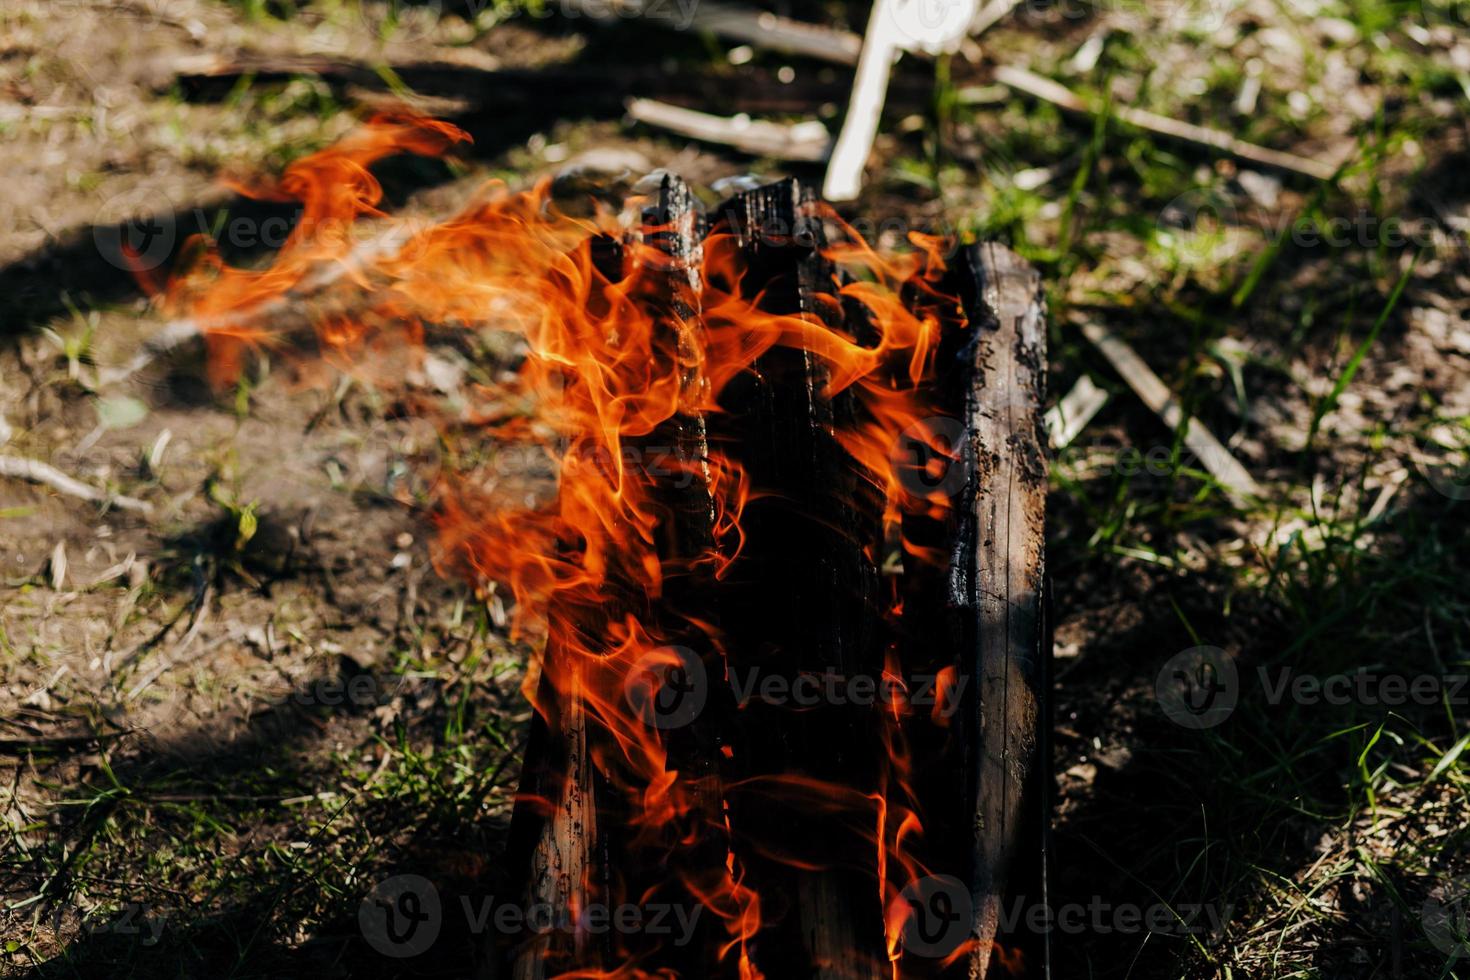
(234, 712)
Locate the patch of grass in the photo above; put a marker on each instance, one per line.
(240, 850)
(1321, 832)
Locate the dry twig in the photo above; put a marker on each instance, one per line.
(1224, 467)
(1067, 418)
(807, 141)
(35, 471)
(762, 29)
(1064, 98)
(177, 333)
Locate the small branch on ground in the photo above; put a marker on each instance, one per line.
(1064, 98)
(760, 28)
(173, 336)
(805, 141)
(1238, 484)
(35, 471)
(177, 333)
(1067, 418)
(19, 746)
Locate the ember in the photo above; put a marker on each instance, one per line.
(779, 458)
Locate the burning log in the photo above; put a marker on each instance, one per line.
(791, 800)
(810, 569)
(980, 612)
(796, 551)
(563, 823)
(1005, 532)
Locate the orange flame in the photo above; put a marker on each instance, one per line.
(609, 359)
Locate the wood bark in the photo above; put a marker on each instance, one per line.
(1011, 645)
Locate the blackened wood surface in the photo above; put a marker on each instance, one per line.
(806, 598)
(570, 820)
(677, 457)
(1011, 643)
(803, 599)
(557, 813)
(554, 826)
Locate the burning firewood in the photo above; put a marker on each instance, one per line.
(1008, 651)
(562, 820)
(795, 798)
(790, 583)
(811, 567)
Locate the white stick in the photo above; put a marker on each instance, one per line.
(850, 155)
(928, 26)
(1067, 418)
(44, 473)
(807, 140)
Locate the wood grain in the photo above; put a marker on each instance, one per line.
(1011, 645)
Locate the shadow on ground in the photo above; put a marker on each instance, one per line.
(268, 908)
(1157, 816)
